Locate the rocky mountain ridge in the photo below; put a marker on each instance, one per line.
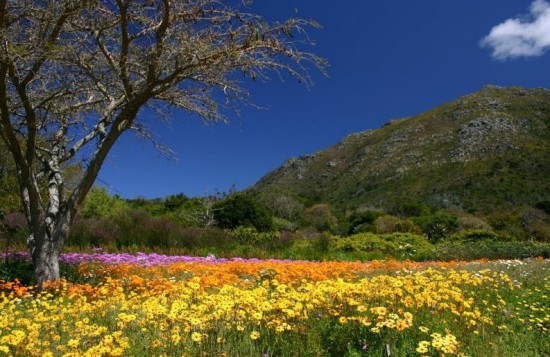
(484, 150)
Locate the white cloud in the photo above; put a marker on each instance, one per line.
(524, 36)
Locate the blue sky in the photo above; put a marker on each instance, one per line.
(388, 59)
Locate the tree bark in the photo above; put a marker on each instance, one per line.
(45, 246)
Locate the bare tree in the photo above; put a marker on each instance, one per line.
(76, 74)
(203, 212)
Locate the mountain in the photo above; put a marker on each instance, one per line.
(486, 151)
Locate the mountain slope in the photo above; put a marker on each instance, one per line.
(485, 151)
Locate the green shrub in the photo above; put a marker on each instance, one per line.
(467, 222)
(540, 231)
(390, 224)
(320, 217)
(281, 224)
(20, 269)
(407, 226)
(310, 246)
(414, 210)
(99, 203)
(489, 249)
(476, 235)
(242, 210)
(396, 245)
(437, 226)
(506, 222)
(249, 235)
(362, 222)
(544, 205)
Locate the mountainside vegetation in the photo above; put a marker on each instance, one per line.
(483, 152)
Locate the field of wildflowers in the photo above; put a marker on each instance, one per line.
(156, 305)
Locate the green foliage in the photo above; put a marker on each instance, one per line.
(363, 221)
(436, 226)
(320, 217)
(249, 235)
(11, 269)
(242, 210)
(391, 224)
(281, 224)
(489, 249)
(174, 202)
(99, 203)
(414, 210)
(396, 245)
(478, 235)
(544, 205)
(283, 206)
(407, 226)
(506, 222)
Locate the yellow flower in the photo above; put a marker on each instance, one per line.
(422, 347)
(73, 343)
(400, 325)
(197, 337)
(381, 310)
(254, 335)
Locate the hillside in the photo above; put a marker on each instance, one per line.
(486, 151)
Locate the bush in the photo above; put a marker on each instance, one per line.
(93, 232)
(281, 224)
(544, 206)
(414, 210)
(437, 226)
(506, 222)
(407, 226)
(386, 224)
(320, 217)
(396, 245)
(468, 222)
(391, 224)
(540, 231)
(310, 245)
(249, 235)
(477, 235)
(242, 210)
(14, 228)
(20, 269)
(99, 203)
(489, 249)
(362, 222)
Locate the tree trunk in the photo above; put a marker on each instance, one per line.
(45, 259)
(45, 246)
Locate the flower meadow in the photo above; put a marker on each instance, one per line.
(156, 305)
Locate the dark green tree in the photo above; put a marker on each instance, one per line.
(243, 210)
